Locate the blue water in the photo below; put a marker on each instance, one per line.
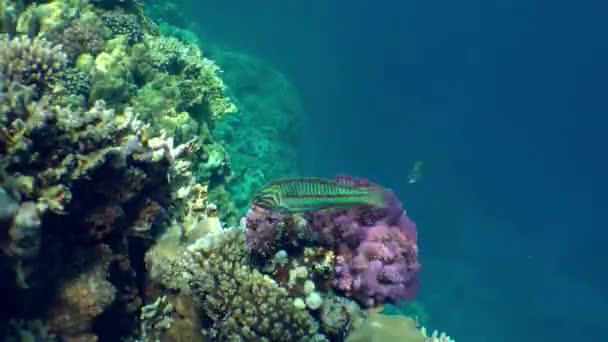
(504, 101)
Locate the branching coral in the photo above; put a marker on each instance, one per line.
(241, 303)
(29, 62)
(155, 318)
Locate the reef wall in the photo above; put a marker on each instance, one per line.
(127, 160)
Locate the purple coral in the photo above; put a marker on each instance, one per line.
(376, 255)
(261, 229)
(381, 268)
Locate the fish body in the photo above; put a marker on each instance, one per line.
(415, 172)
(311, 193)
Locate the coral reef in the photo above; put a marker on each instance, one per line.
(375, 251)
(257, 309)
(156, 318)
(84, 175)
(28, 66)
(84, 297)
(19, 330)
(240, 302)
(126, 158)
(85, 34)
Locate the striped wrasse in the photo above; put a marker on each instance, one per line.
(311, 193)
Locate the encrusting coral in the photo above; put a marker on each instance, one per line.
(382, 328)
(83, 297)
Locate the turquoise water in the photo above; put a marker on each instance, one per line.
(502, 100)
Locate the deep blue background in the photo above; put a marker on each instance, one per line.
(506, 103)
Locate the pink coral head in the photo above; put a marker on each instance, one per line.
(408, 227)
(375, 250)
(378, 232)
(384, 265)
(261, 229)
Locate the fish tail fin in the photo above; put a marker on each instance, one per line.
(377, 199)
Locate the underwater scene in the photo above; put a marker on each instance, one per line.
(338, 171)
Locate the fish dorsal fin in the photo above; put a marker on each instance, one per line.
(346, 180)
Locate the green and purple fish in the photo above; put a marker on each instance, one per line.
(310, 193)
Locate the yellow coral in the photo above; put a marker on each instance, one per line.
(384, 328)
(45, 17)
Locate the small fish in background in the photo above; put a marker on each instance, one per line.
(415, 172)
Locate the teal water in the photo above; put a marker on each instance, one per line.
(125, 152)
(502, 100)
